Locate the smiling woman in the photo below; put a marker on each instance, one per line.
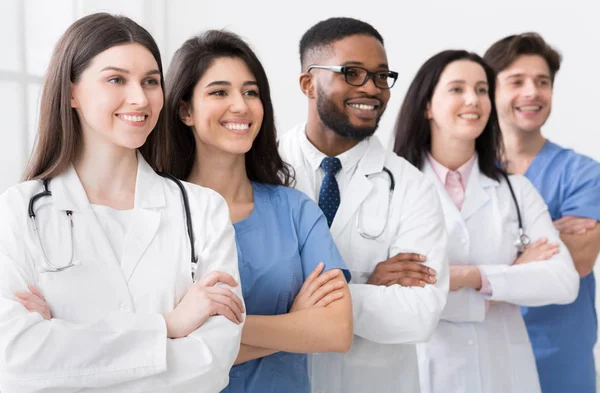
(448, 128)
(223, 137)
(96, 292)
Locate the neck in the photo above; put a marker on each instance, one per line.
(451, 153)
(520, 148)
(326, 140)
(108, 174)
(222, 172)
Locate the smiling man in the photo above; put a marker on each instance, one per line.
(563, 336)
(384, 215)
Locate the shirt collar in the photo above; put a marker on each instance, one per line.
(442, 172)
(349, 159)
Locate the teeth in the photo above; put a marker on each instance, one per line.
(470, 116)
(363, 107)
(530, 108)
(133, 118)
(237, 126)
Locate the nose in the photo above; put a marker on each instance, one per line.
(530, 89)
(370, 87)
(471, 98)
(238, 104)
(136, 96)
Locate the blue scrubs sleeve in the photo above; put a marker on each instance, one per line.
(316, 242)
(582, 197)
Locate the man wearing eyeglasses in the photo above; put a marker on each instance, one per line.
(383, 213)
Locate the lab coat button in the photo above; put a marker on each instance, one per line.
(470, 342)
(125, 307)
(463, 240)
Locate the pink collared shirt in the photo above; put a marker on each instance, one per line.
(455, 183)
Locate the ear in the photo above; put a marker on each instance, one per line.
(307, 84)
(185, 114)
(74, 101)
(428, 114)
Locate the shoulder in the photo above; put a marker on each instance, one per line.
(282, 196)
(202, 201)
(288, 140)
(525, 191)
(14, 203)
(571, 162)
(408, 177)
(15, 200)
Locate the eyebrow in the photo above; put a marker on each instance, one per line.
(463, 82)
(520, 75)
(358, 63)
(124, 71)
(226, 83)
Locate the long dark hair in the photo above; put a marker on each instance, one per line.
(59, 130)
(190, 62)
(413, 131)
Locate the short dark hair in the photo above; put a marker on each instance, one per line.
(59, 128)
(190, 62)
(330, 30)
(413, 131)
(502, 53)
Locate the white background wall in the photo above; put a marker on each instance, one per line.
(412, 32)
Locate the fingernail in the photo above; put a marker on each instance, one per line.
(422, 283)
(432, 279)
(431, 272)
(422, 257)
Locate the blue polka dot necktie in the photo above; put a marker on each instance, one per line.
(329, 196)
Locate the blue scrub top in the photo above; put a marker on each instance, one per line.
(563, 336)
(285, 237)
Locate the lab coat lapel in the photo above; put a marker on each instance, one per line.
(145, 220)
(477, 193)
(359, 186)
(450, 210)
(68, 194)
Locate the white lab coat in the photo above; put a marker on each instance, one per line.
(474, 351)
(107, 333)
(388, 321)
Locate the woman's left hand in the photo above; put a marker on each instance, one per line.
(319, 289)
(34, 302)
(464, 276)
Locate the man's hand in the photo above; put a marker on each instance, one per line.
(574, 225)
(405, 269)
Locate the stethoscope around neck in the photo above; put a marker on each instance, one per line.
(523, 241)
(57, 268)
(359, 218)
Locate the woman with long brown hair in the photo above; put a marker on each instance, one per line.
(222, 136)
(106, 260)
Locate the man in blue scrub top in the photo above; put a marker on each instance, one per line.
(563, 336)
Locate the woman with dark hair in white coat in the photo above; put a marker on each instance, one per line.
(448, 128)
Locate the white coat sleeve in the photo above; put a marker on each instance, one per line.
(465, 305)
(124, 351)
(397, 314)
(538, 283)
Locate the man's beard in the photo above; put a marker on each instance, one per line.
(338, 121)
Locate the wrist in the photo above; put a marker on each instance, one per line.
(172, 331)
(475, 278)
